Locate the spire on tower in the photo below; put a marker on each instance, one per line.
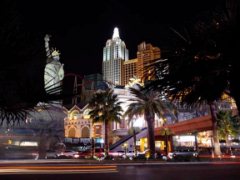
(115, 33)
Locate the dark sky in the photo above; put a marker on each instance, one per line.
(80, 31)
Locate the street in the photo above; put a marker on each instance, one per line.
(213, 170)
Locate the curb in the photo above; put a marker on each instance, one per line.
(90, 163)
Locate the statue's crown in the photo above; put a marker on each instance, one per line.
(55, 53)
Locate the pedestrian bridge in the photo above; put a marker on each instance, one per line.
(202, 123)
(197, 124)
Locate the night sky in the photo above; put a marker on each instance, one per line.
(80, 31)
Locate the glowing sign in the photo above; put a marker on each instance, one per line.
(28, 143)
(186, 138)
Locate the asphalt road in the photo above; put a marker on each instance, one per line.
(178, 171)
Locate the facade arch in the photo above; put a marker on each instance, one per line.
(85, 132)
(72, 133)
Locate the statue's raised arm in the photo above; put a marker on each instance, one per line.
(47, 39)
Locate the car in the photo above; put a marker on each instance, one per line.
(121, 154)
(99, 153)
(130, 153)
(51, 154)
(14, 152)
(118, 154)
(84, 154)
(146, 155)
(68, 154)
(183, 155)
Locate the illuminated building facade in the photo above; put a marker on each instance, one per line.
(79, 129)
(137, 67)
(146, 55)
(114, 54)
(130, 70)
(78, 124)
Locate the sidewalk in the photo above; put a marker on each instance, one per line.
(222, 158)
(202, 160)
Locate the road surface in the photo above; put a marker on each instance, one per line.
(168, 171)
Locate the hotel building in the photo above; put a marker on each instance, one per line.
(114, 54)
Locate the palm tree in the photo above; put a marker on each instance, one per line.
(201, 68)
(106, 109)
(193, 83)
(147, 103)
(228, 125)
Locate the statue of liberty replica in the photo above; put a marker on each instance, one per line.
(47, 121)
(54, 72)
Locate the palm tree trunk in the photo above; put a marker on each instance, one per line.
(42, 148)
(93, 147)
(151, 136)
(106, 149)
(134, 142)
(166, 142)
(228, 144)
(217, 150)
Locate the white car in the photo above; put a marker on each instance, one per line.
(68, 154)
(130, 154)
(51, 154)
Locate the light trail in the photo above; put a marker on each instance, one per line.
(56, 169)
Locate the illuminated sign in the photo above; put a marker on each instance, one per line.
(28, 143)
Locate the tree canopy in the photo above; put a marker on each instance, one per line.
(203, 63)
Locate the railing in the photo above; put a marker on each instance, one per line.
(124, 139)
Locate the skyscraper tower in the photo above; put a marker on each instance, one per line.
(114, 54)
(138, 68)
(146, 54)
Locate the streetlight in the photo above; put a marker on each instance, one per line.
(195, 133)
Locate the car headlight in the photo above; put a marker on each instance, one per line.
(76, 155)
(195, 154)
(170, 155)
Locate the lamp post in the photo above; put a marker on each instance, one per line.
(196, 141)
